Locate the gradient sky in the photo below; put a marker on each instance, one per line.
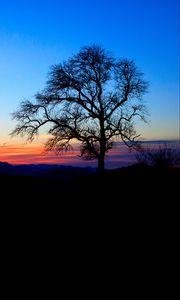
(39, 33)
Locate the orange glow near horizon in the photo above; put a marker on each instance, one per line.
(35, 154)
(32, 153)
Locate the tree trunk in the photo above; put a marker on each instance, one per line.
(101, 164)
(101, 158)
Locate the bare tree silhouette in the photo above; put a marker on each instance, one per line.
(93, 98)
(163, 157)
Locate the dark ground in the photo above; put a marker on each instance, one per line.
(135, 183)
(127, 216)
(135, 203)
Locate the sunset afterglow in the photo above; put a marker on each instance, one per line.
(35, 154)
(34, 35)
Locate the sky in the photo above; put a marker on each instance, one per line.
(39, 33)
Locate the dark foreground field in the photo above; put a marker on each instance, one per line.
(131, 214)
(126, 200)
(134, 183)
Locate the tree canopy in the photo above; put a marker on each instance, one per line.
(93, 98)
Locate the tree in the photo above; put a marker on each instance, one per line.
(93, 98)
(163, 157)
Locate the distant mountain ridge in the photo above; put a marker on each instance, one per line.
(44, 170)
(4, 166)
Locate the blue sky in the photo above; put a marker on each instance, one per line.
(37, 34)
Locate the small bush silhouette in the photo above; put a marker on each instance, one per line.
(161, 157)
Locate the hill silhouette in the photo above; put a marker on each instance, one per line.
(134, 182)
(44, 170)
(137, 202)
